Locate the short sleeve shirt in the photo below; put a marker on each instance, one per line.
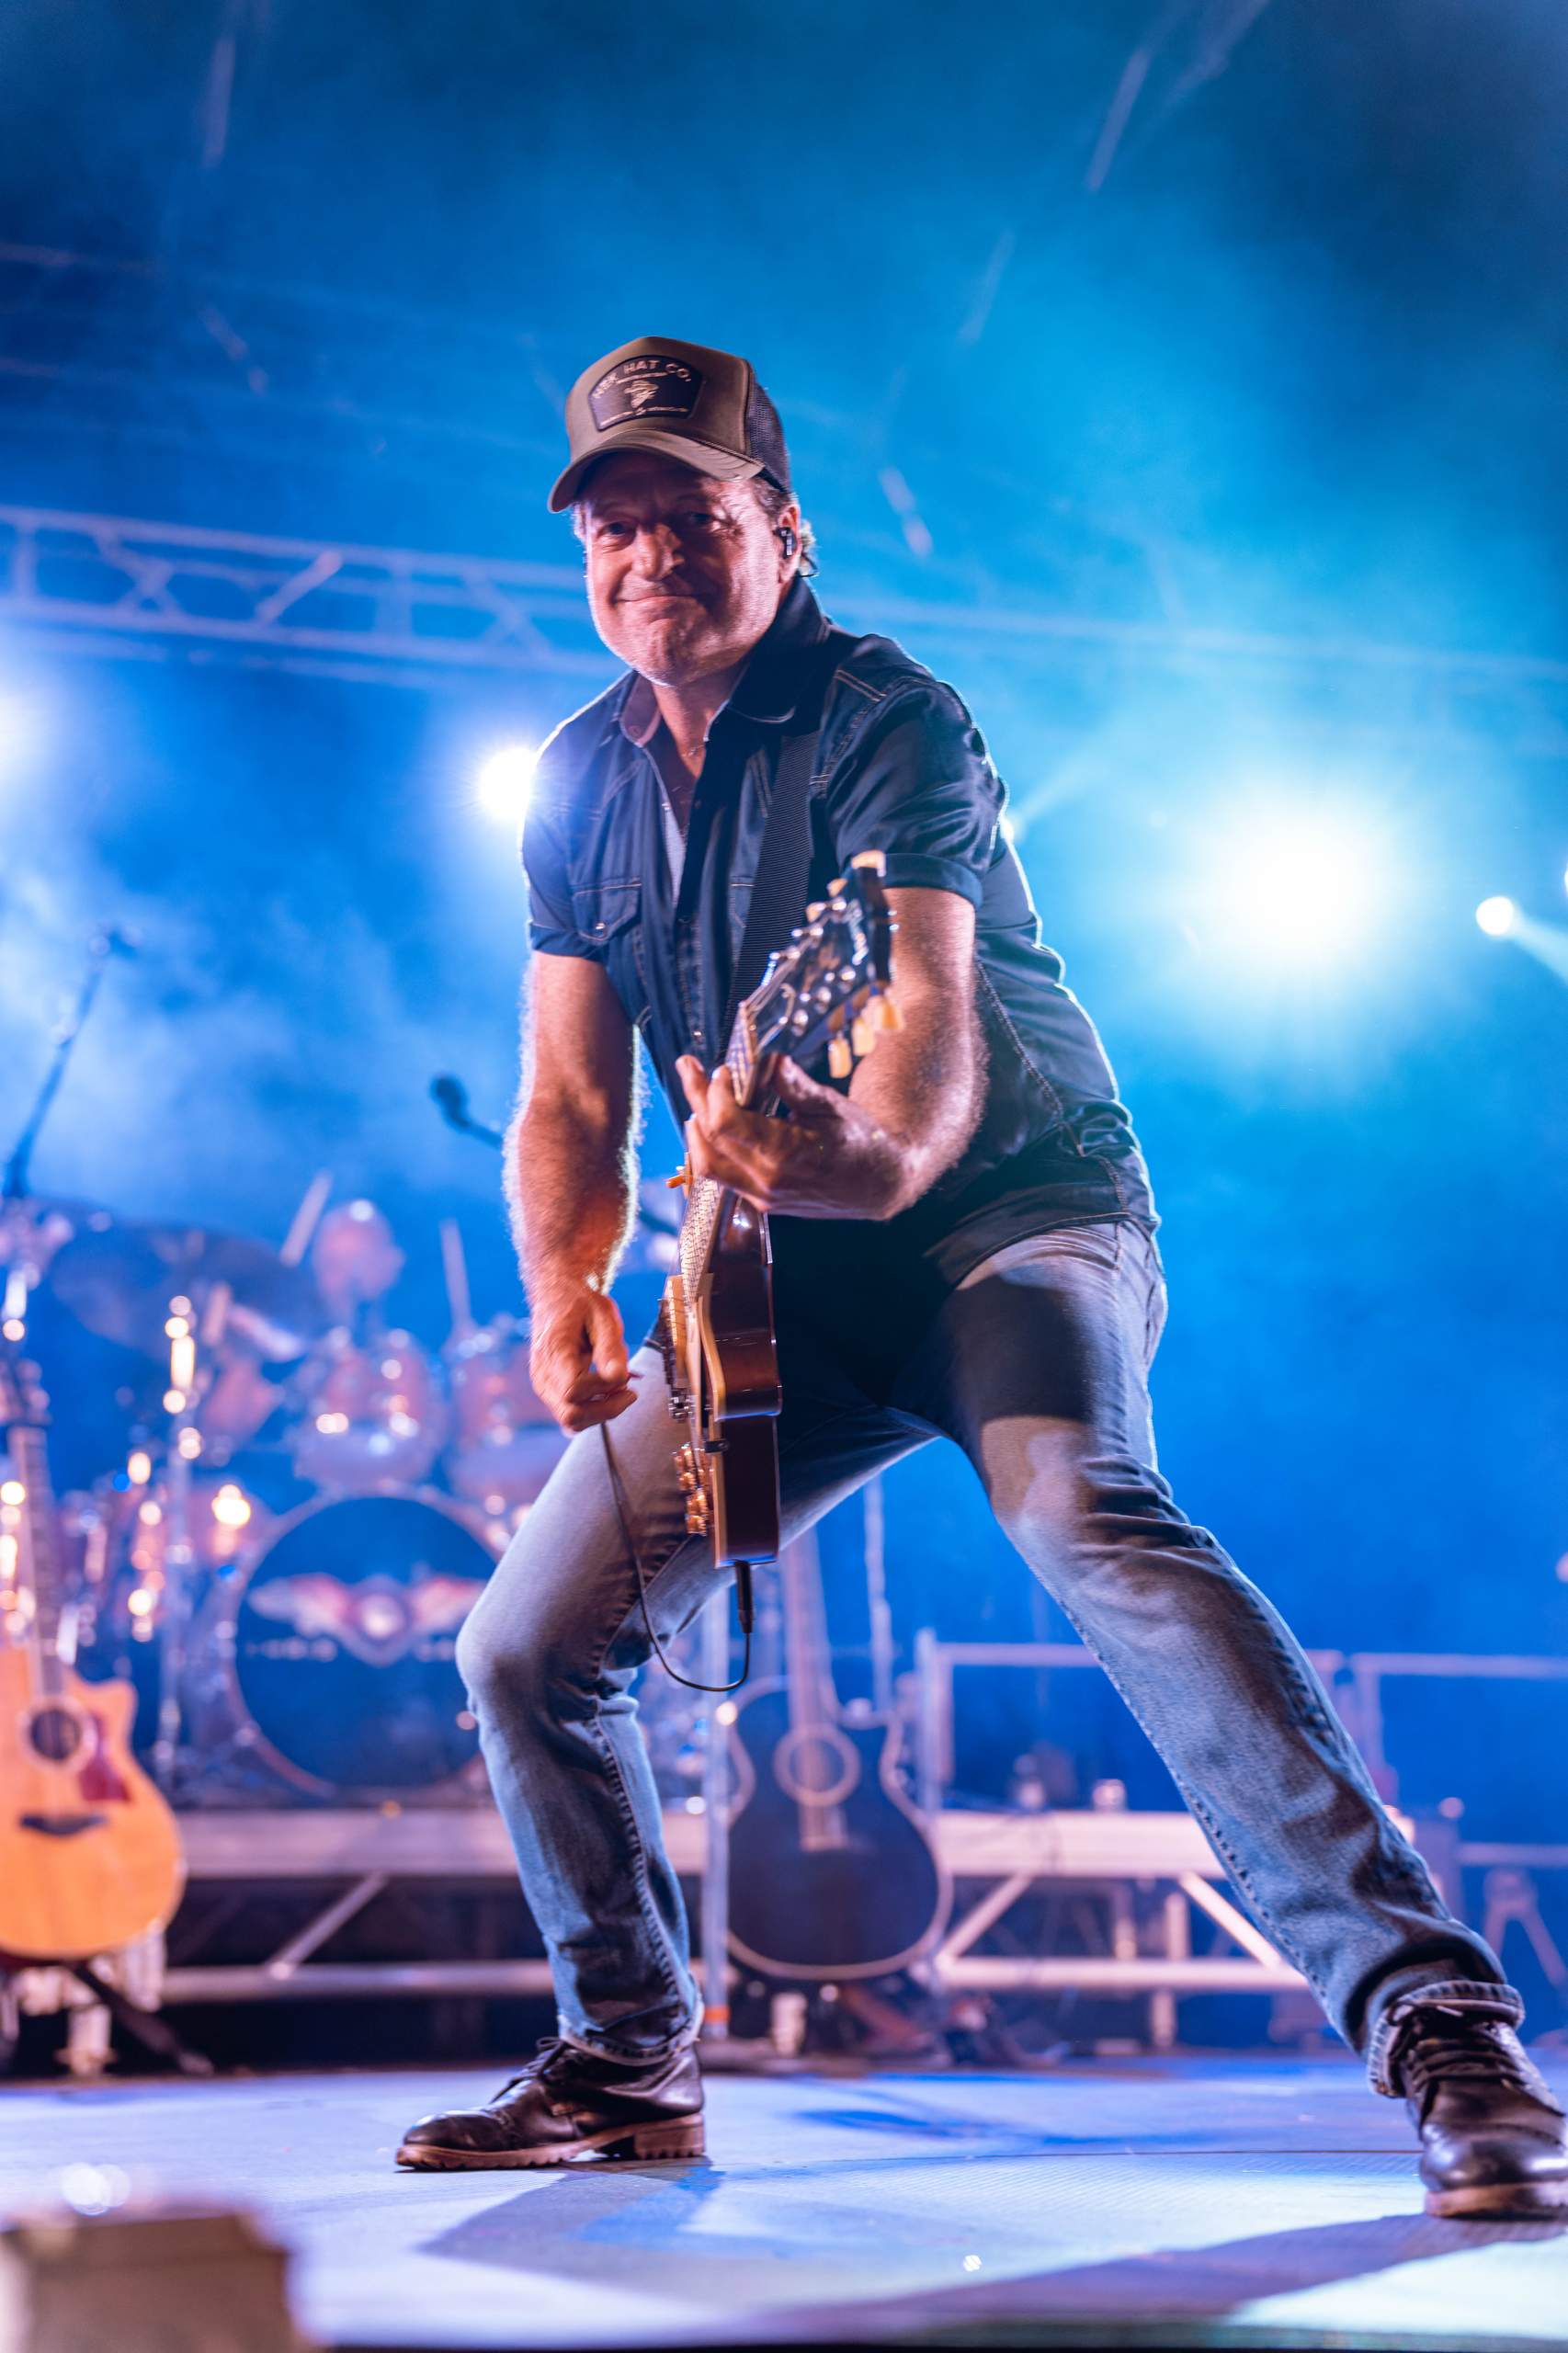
(901, 767)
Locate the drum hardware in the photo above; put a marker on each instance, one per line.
(174, 1575)
(306, 1218)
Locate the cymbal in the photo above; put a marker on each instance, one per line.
(119, 1282)
(36, 1226)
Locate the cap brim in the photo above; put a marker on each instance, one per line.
(723, 464)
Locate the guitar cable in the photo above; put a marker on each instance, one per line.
(743, 1609)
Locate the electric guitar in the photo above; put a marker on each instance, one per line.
(837, 1877)
(716, 1318)
(90, 1855)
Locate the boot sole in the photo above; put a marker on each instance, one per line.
(645, 2143)
(1523, 2201)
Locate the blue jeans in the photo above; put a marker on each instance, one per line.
(1037, 1365)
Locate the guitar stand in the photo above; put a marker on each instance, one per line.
(152, 2031)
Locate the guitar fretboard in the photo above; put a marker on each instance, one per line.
(706, 1198)
(39, 1550)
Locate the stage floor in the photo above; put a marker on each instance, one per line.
(1113, 2201)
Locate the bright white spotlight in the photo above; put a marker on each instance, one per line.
(506, 780)
(1497, 917)
(21, 730)
(1294, 888)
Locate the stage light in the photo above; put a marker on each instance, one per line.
(22, 729)
(1300, 888)
(1497, 917)
(506, 780)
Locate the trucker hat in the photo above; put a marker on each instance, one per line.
(681, 400)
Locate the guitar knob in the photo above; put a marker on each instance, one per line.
(840, 1059)
(886, 1013)
(862, 1036)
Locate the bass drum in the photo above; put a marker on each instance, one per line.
(336, 1645)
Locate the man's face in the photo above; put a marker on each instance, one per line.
(684, 573)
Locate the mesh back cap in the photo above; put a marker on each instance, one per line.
(684, 401)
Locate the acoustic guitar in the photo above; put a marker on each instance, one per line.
(89, 1853)
(825, 989)
(836, 1876)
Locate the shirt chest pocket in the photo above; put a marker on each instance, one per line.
(608, 917)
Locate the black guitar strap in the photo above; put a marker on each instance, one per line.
(784, 859)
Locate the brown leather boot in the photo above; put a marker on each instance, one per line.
(565, 2103)
(1494, 2141)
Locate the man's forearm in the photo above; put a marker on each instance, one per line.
(572, 1193)
(924, 1086)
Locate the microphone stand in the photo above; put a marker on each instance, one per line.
(110, 941)
(450, 1097)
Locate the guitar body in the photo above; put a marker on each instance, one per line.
(89, 1853)
(735, 1391)
(872, 1897)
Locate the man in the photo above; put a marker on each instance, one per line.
(963, 1246)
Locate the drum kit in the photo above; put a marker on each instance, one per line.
(306, 1502)
(297, 1528)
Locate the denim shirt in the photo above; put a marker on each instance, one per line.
(901, 767)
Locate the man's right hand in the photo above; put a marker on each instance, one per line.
(578, 1359)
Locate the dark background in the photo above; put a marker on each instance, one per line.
(1288, 356)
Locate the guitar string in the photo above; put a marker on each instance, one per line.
(618, 1493)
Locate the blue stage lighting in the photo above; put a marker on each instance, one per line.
(1301, 888)
(506, 780)
(1497, 917)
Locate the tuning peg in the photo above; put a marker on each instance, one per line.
(816, 911)
(836, 888)
(840, 1059)
(862, 1036)
(874, 860)
(682, 1176)
(885, 1013)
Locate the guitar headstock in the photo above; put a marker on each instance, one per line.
(828, 987)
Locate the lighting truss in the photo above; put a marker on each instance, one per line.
(104, 583)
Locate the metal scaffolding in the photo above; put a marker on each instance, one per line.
(111, 583)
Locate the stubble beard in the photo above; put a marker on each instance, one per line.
(674, 649)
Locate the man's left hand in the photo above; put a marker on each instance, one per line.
(829, 1158)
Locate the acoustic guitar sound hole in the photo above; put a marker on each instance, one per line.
(816, 1766)
(55, 1734)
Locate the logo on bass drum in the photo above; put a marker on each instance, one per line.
(377, 1620)
(649, 385)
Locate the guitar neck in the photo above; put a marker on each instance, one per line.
(808, 1667)
(41, 1545)
(813, 1699)
(709, 1203)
